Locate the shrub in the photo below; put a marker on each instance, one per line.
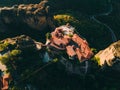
(65, 18)
(3, 46)
(15, 52)
(96, 59)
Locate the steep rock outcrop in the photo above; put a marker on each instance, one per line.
(84, 6)
(18, 55)
(110, 54)
(5, 81)
(23, 56)
(22, 43)
(109, 59)
(32, 16)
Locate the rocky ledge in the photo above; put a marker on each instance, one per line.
(17, 52)
(34, 16)
(21, 55)
(21, 43)
(17, 55)
(110, 56)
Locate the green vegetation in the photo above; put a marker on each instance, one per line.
(24, 63)
(3, 46)
(94, 50)
(19, 62)
(48, 35)
(9, 59)
(96, 59)
(92, 31)
(15, 52)
(65, 18)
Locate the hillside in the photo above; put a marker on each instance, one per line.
(59, 45)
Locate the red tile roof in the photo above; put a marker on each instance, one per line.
(60, 40)
(70, 51)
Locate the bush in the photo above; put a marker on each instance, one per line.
(3, 46)
(96, 59)
(65, 18)
(15, 52)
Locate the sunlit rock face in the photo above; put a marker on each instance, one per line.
(23, 45)
(2, 67)
(22, 42)
(110, 54)
(35, 16)
(109, 58)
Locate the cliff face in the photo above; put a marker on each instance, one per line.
(31, 16)
(18, 55)
(110, 56)
(63, 43)
(17, 48)
(22, 55)
(84, 6)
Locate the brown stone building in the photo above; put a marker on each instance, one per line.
(64, 38)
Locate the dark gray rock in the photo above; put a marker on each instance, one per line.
(31, 16)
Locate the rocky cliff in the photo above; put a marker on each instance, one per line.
(34, 17)
(22, 55)
(17, 56)
(110, 57)
(65, 57)
(110, 54)
(20, 44)
(109, 61)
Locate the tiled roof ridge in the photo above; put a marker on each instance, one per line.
(61, 41)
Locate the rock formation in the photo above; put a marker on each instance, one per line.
(34, 16)
(21, 48)
(1, 80)
(5, 80)
(21, 42)
(26, 55)
(109, 60)
(110, 55)
(14, 53)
